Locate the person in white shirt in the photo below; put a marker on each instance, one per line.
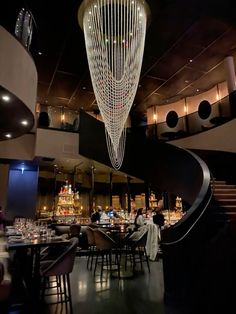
(139, 219)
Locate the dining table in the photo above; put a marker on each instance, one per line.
(25, 256)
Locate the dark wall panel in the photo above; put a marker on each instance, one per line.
(22, 194)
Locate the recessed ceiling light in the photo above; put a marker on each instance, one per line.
(24, 122)
(190, 60)
(6, 98)
(197, 90)
(8, 135)
(186, 81)
(40, 53)
(84, 87)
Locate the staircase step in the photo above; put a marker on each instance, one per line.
(225, 196)
(224, 191)
(229, 208)
(225, 216)
(218, 182)
(226, 202)
(224, 186)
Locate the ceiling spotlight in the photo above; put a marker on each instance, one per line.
(8, 135)
(84, 87)
(6, 98)
(190, 60)
(40, 53)
(24, 122)
(197, 90)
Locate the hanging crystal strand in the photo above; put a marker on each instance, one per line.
(24, 27)
(114, 36)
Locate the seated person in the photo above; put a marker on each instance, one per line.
(104, 216)
(95, 216)
(139, 219)
(158, 218)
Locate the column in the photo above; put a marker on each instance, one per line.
(230, 78)
(110, 189)
(91, 196)
(128, 194)
(122, 197)
(147, 195)
(230, 73)
(4, 171)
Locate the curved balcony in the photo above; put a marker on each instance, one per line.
(194, 123)
(18, 87)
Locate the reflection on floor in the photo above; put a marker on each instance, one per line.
(90, 294)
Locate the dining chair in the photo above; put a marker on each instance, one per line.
(135, 248)
(105, 246)
(5, 290)
(91, 247)
(75, 230)
(60, 268)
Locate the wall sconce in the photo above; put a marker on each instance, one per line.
(37, 109)
(185, 106)
(63, 117)
(217, 93)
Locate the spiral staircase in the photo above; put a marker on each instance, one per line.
(225, 198)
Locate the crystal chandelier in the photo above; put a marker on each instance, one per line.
(114, 33)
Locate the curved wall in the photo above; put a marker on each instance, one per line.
(221, 138)
(18, 72)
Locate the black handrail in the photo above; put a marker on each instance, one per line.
(168, 167)
(181, 229)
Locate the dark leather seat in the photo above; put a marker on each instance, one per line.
(61, 268)
(136, 248)
(105, 246)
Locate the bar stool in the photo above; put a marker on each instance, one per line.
(105, 246)
(60, 268)
(91, 246)
(135, 248)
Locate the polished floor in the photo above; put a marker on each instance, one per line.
(91, 294)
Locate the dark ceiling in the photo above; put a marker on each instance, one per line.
(186, 43)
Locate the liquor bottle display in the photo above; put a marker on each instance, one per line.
(67, 201)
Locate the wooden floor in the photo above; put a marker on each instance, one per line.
(90, 294)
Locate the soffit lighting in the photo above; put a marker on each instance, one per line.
(114, 32)
(22, 168)
(6, 98)
(24, 122)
